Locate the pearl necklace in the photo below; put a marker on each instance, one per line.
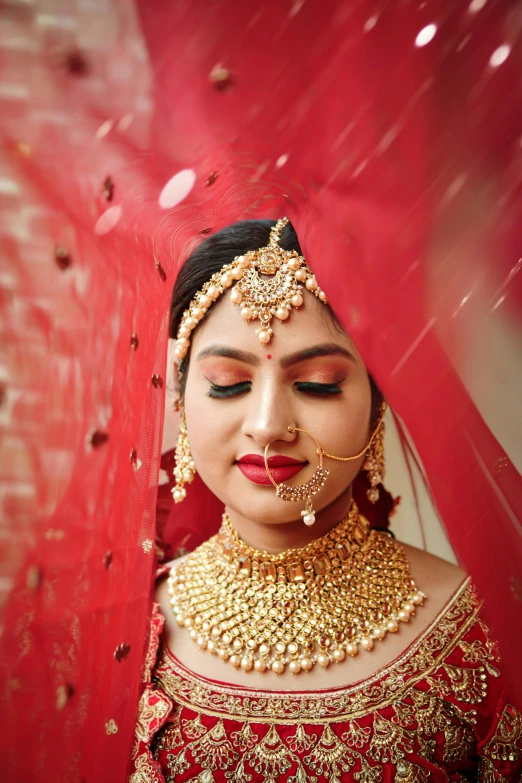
(314, 605)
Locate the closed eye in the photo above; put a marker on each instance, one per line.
(318, 389)
(222, 392)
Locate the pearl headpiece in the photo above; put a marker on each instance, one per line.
(259, 298)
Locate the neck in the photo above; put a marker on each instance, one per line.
(276, 538)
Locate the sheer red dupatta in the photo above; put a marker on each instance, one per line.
(377, 150)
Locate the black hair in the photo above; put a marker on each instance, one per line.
(211, 256)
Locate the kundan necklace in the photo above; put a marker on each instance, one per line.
(313, 605)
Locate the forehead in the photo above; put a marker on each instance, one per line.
(308, 325)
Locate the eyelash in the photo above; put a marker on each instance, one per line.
(307, 387)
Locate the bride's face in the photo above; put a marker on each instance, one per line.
(240, 396)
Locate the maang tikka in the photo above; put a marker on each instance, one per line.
(270, 284)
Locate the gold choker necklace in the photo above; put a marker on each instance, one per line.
(307, 606)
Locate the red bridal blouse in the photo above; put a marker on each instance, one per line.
(438, 713)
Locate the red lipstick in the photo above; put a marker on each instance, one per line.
(282, 468)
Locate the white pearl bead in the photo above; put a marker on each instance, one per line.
(300, 275)
(183, 342)
(295, 667)
(322, 296)
(338, 655)
(297, 300)
(367, 643)
(205, 301)
(408, 607)
(226, 280)
(323, 660)
(418, 599)
(306, 664)
(213, 292)
(197, 313)
(260, 665)
(235, 660)
(352, 649)
(379, 633)
(179, 495)
(246, 313)
(191, 323)
(243, 262)
(184, 332)
(278, 667)
(392, 625)
(263, 337)
(236, 296)
(246, 664)
(293, 264)
(403, 615)
(311, 283)
(282, 313)
(180, 352)
(309, 519)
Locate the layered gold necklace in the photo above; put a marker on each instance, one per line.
(303, 607)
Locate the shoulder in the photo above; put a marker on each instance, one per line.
(433, 574)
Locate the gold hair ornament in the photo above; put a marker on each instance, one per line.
(270, 282)
(318, 480)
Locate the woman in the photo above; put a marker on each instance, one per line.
(275, 649)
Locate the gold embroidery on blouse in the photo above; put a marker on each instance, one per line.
(487, 772)
(506, 743)
(414, 722)
(410, 773)
(386, 687)
(150, 711)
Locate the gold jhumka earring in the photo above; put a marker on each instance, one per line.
(374, 463)
(185, 469)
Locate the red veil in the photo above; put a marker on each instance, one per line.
(389, 134)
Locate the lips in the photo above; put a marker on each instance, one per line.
(282, 468)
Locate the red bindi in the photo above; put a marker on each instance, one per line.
(269, 356)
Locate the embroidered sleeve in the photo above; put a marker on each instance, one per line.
(501, 753)
(153, 711)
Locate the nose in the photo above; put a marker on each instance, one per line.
(268, 419)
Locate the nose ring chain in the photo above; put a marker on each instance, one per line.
(318, 480)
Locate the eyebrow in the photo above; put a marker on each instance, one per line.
(325, 349)
(228, 353)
